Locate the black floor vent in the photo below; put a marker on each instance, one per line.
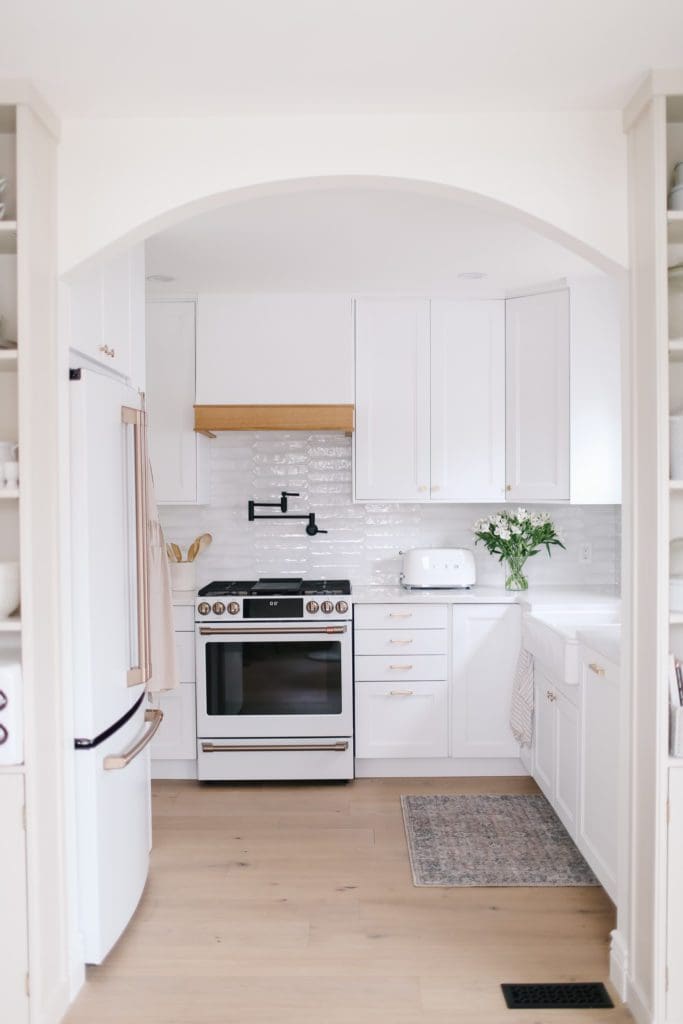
(564, 996)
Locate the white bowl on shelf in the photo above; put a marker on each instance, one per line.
(10, 588)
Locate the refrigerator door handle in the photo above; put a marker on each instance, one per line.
(153, 717)
(141, 673)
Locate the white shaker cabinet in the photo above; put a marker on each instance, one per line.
(485, 648)
(177, 452)
(557, 737)
(598, 830)
(537, 397)
(392, 400)
(467, 401)
(14, 932)
(106, 314)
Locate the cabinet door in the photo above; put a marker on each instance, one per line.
(567, 755)
(467, 401)
(13, 933)
(392, 400)
(173, 443)
(177, 735)
(486, 641)
(105, 312)
(402, 719)
(600, 759)
(544, 734)
(537, 397)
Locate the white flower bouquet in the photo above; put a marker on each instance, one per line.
(516, 536)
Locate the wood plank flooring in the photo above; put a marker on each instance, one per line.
(294, 904)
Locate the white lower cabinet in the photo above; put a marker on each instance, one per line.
(485, 648)
(13, 933)
(599, 763)
(176, 739)
(557, 748)
(394, 720)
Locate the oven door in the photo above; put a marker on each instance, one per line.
(265, 679)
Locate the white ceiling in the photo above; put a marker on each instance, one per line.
(171, 57)
(355, 241)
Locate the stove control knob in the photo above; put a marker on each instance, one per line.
(218, 608)
(203, 607)
(327, 607)
(342, 607)
(233, 607)
(312, 607)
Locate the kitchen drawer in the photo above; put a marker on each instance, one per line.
(398, 668)
(176, 739)
(183, 618)
(401, 641)
(398, 616)
(184, 646)
(402, 721)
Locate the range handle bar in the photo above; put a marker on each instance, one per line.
(261, 630)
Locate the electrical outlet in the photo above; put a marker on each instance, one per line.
(586, 554)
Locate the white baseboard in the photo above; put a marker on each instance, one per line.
(174, 769)
(618, 964)
(437, 767)
(636, 1005)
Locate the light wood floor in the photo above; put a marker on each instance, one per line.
(294, 904)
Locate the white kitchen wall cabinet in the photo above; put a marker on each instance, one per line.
(485, 648)
(392, 400)
(598, 832)
(467, 401)
(106, 314)
(177, 453)
(274, 350)
(537, 397)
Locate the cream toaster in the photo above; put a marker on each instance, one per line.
(437, 568)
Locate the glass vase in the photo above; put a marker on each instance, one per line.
(516, 580)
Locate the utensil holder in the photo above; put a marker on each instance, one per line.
(183, 575)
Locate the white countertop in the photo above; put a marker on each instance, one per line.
(538, 599)
(183, 598)
(604, 640)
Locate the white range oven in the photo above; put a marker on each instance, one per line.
(274, 680)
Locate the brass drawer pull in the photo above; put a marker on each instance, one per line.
(401, 668)
(401, 693)
(401, 641)
(597, 669)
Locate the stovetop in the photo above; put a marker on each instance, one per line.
(286, 586)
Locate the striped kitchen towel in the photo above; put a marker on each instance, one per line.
(522, 709)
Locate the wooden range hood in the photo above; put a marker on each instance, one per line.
(211, 419)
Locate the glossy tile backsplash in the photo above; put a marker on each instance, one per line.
(364, 541)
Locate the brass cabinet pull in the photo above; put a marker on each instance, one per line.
(154, 717)
(222, 748)
(550, 695)
(392, 641)
(142, 672)
(401, 693)
(401, 668)
(597, 669)
(400, 615)
(111, 352)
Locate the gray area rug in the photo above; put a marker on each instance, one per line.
(490, 840)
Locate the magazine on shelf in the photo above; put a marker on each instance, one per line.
(675, 682)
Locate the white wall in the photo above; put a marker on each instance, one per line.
(364, 541)
(118, 175)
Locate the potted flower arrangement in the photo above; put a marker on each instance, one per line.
(516, 536)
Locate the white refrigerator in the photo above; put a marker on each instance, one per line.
(111, 654)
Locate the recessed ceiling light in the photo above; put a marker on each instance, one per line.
(160, 278)
(472, 275)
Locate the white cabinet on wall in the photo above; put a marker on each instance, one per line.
(177, 453)
(537, 399)
(274, 350)
(106, 314)
(485, 648)
(467, 401)
(430, 400)
(392, 400)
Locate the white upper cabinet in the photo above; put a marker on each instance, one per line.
(176, 451)
(392, 400)
(468, 401)
(106, 314)
(537, 397)
(274, 350)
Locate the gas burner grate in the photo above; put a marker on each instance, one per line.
(560, 996)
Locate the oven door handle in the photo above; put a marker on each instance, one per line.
(241, 630)
(220, 748)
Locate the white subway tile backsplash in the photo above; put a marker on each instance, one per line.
(364, 541)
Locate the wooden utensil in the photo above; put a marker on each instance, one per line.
(198, 545)
(193, 550)
(171, 553)
(177, 552)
